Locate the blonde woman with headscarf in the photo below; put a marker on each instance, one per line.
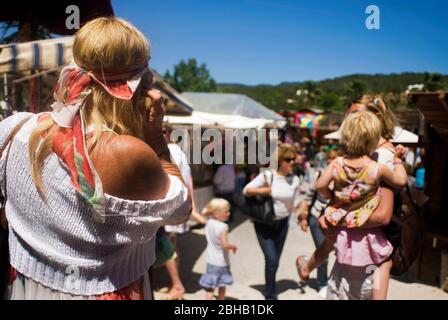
(89, 183)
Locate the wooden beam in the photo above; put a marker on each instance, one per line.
(36, 75)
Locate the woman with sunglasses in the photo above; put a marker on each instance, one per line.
(283, 186)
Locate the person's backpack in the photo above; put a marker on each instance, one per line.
(405, 231)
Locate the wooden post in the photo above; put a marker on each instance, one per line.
(444, 271)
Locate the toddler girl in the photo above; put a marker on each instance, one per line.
(355, 196)
(218, 267)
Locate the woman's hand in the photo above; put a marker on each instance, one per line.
(304, 225)
(153, 131)
(303, 221)
(323, 223)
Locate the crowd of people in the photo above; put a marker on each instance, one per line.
(96, 194)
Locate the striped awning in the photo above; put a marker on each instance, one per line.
(20, 58)
(51, 54)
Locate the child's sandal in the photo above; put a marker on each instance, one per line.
(301, 262)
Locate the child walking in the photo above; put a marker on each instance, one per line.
(218, 267)
(355, 193)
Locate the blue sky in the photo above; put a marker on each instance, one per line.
(271, 41)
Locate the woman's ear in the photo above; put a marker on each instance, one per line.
(378, 115)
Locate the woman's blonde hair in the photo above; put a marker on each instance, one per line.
(103, 43)
(360, 134)
(376, 105)
(216, 207)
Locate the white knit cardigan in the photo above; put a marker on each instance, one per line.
(56, 241)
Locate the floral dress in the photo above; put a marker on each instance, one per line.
(356, 194)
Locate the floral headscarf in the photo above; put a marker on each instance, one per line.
(69, 135)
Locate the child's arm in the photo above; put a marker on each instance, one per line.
(324, 181)
(224, 239)
(396, 178)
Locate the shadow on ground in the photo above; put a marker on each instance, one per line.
(282, 286)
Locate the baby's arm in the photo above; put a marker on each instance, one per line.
(324, 181)
(225, 245)
(397, 177)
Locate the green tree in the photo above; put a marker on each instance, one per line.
(329, 101)
(433, 81)
(189, 76)
(355, 88)
(312, 92)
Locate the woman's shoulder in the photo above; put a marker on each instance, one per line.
(129, 168)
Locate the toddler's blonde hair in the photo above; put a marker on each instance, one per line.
(216, 207)
(360, 134)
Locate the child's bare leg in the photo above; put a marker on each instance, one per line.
(209, 294)
(381, 280)
(221, 293)
(316, 259)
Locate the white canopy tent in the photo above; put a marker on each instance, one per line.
(207, 119)
(400, 136)
(234, 111)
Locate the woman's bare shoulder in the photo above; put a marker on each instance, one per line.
(129, 168)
